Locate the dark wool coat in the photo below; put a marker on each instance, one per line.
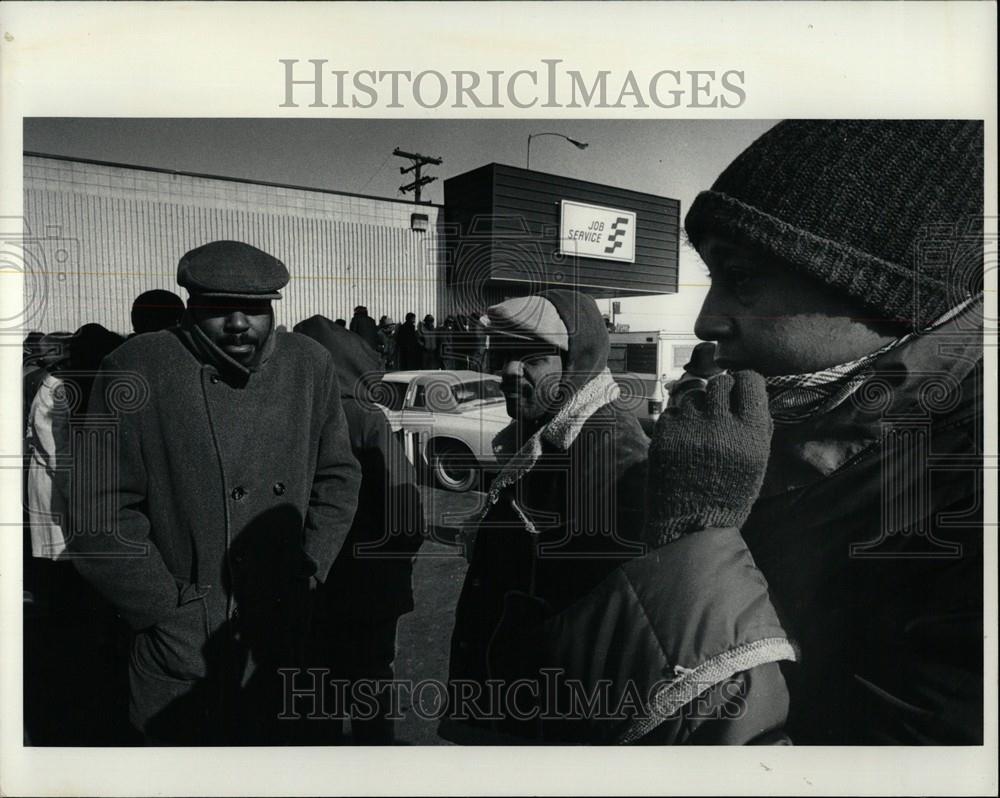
(225, 491)
(371, 579)
(870, 532)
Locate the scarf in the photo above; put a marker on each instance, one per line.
(793, 398)
(207, 352)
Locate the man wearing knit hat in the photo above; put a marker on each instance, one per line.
(561, 613)
(231, 489)
(846, 268)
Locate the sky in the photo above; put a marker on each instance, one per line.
(671, 158)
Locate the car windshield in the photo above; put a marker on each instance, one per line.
(478, 391)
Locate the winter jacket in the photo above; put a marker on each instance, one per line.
(676, 645)
(371, 579)
(560, 594)
(408, 346)
(869, 531)
(231, 489)
(427, 339)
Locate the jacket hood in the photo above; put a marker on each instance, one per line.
(355, 360)
(587, 355)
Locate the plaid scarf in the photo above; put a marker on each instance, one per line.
(796, 397)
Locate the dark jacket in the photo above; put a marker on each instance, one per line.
(371, 579)
(408, 347)
(869, 531)
(365, 326)
(227, 489)
(560, 587)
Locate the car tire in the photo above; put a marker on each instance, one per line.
(453, 466)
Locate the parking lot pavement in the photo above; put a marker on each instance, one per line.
(425, 634)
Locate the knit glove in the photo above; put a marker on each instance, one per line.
(707, 458)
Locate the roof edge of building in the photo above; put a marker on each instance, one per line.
(182, 173)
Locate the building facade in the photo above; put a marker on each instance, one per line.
(101, 234)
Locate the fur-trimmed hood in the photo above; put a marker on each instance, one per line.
(560, 432)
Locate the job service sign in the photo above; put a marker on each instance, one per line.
(591, 231)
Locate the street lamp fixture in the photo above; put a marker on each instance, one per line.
(580, 145)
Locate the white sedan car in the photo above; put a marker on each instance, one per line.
(449, 420)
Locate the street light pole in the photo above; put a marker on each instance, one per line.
(580, 145)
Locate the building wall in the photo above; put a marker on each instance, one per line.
(503, 225)
(109, 233)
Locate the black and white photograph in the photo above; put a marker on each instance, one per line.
(417, 436)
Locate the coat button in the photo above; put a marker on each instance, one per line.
(279, 488)
(239, 492)
(214, 379)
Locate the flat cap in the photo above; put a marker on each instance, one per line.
(232, 269)
(530, 318)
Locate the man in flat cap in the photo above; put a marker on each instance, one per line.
(568, 628)
(229, 489)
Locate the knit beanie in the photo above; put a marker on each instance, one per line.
(888, 212)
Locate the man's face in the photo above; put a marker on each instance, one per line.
(530, 380)
(773, 320)
(239, 327)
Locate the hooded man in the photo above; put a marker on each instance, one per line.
(370, 584)
(230, 490)
(846, 262)
(564, 629)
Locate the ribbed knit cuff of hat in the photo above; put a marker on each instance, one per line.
(667, 521)
(666, 530)
(885, 288)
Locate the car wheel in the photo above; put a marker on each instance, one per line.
(453, 466)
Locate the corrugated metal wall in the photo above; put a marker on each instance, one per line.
(123, 230)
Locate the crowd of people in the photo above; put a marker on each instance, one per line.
(459, 343)
(229, 495)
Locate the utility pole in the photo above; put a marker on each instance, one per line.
(418, 162)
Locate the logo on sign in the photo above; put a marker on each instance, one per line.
(618, 230)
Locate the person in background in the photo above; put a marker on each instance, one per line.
(78, 694)
(449, 340)
(341, 322)
(477, 343)
(232, 489)
(407, 344)
(370, 584)
(47, 447)
(364, 325)
(387, 343)
(697, 372)
(846, 264)
(427, 338)
(156, 310)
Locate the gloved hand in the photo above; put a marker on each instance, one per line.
(707, 458)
